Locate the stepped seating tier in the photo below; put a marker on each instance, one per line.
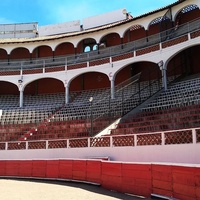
(176, 108)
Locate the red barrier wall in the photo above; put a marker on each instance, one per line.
(136, 179)
(111, 178)
(162, 180)
(181, 182)
(93, 171)
(65, 169)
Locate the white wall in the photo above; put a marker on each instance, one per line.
(103, 19)
(59, 28)
(184, 153)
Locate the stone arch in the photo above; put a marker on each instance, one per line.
(20, 53)
(87, 42)
(111, 39)
(186, 14)
(149, 71)
(8, 88)
(65, 48)
(184, 61)
(3, 54)
(44, 85)
(159, 24)
(42, 52)
(89, 80)
(133, 33)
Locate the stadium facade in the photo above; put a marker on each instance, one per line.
(113, 101)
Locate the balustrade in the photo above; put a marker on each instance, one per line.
(178, 137)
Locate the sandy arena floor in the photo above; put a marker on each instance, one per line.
(55, 190)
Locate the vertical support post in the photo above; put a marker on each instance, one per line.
(111, 141)
(163, 138)
(6, 146)
(122, 111)
(91, 116)
(163, 69)
(112, 88)
(21, 98)
(43, 69)
(66, 94)
(194, 136)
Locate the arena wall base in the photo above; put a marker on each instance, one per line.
(142, 179)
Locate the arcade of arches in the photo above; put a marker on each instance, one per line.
(187, 14)
(186, 62)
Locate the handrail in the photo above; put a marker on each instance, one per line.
(56, 61)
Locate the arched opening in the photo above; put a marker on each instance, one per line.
(148, 71)
(135, 32)
(86, 45)
(20, 53)
(111, 39)
(3, 54)
(159, 29)
(185, 63)
(187, 14)
(159, 24)
(7, 88)
(90, 81)
(64, 49)
(42, 51)
(44, 86)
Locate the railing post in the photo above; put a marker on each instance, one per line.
(43, 66)
(111, 141)
(122, 107)
(6, 146)
(21, 72)
(189, 36)
(89, 142)
(47, 144)
(111, 64)
(194, 136)
(67, 143)
(88, 60)
(135, 140)
(134, 53)
(65, 64)
(26, 145)
(163, 138)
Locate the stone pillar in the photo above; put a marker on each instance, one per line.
(67, 95)
(21, 97)
(163, 69)
(112, 88)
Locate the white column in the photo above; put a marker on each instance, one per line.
(165, 78)
(112, 88)
(21, 98)
(163, 69)
(67, 94)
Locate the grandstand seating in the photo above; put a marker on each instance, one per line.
(176, 108)
(53, 119)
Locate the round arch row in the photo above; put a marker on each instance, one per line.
(133, 33)
(84, 81)
(183, 62)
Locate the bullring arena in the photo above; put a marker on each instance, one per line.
(113, 102)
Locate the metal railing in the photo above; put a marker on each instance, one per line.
(56, 61)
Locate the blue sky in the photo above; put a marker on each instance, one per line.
(47, 12)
